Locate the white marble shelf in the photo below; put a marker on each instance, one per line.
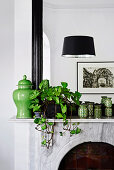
(75, 119)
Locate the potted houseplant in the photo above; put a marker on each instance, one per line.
(61, 99)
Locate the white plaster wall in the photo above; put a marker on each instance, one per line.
(6, 83)
(23, 39)
(59, 23)
(15, 60)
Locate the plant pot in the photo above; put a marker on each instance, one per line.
(38, 114)
(74, 110)
(52, 109)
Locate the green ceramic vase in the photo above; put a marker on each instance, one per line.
(103, 98)
(108, 111)
(83, 111)
(21, 98)
(108, 102)
(97, 111)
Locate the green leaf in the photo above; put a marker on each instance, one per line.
(49, 98)
(73, 132)
(64, 117)
(57, 93)
(43, 96)
(36, 108)
(43, 120)
(44, 84)
(59, 116)
(63, 108)
(43, 127)
(44, 142)
(78, 123)
(34, 94)
(37, 120)
(67, 95)
(61, 133)
(50, 92)
(77, 94)
(64, 84)
(40, 122)
(65, 123)
(36, 101)
(59, 89)
(50, 123)
(78, 130)
(31, 106)
(34, 116)
(51, 131)
(61, 102)
(77, 102)
(56, 100)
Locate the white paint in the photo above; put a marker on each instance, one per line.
(6, 84)
(23, 39)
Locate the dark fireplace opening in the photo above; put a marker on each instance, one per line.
(89, 156)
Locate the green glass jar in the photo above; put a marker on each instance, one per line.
(108, 102)
(97, 111)
(83, 111)
(103, 98)
(21, 98)
(90, 109)
(108, 111)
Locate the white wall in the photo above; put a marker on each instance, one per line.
(6, 83)
(23, 39)
(59, 23)
(15, 61)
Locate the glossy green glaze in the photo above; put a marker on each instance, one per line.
(108, 102)
(103, 98)
(83, 111)
(97, 111)
(21, 98)
(108, 111)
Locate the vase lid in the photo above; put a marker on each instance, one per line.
(24, 82)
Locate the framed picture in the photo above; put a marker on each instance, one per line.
(95, 77)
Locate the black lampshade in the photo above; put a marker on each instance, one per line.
(78, 46)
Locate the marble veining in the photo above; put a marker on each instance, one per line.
(41, 158)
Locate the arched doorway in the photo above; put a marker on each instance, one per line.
(89, 156)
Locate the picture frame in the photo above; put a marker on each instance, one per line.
(95, 77)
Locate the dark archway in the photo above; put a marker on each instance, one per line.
(89, 156)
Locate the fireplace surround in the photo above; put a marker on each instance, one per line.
(30, 155)
(89, 155)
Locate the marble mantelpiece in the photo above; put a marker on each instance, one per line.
(29, 155)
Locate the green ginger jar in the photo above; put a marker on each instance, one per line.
(21, 98)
